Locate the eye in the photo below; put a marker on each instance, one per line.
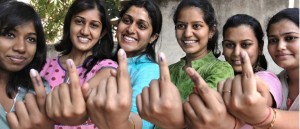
(196, 26)
(9, 35)
(245, 45)
(272, 40)
(94, 25)
(31, 39)
(142, 26)
(180, 26)
(290, 38)
(79, 21)
(229, 45)
(126, 21)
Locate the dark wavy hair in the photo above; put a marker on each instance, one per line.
(291, 14)
(244, 19)
(209, 18)
(13, 14)
(100, 51)
(156, 20)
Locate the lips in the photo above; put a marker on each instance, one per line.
(17, 59)
(83, 39)
(189, 42)
(129, 39)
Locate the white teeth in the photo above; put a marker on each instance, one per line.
(82, 39)
(129, 39)
(237, 62)
(189, 41)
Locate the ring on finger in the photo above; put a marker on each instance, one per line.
(226, 91)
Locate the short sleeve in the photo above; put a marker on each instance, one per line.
(106, 63)
(274, 85)
(220, 71)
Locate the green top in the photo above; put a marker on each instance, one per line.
(211, 69)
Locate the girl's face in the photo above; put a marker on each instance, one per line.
(192, 32)
(283, 44)
(237, 39)
(134, 31)
(17, 47)
(85, 30)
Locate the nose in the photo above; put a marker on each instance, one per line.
(237, 51)
(130, 29)
(188, 32)
(19, 45)
(85, 30)
(281, 45)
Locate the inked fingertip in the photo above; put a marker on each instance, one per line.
(122, 53)
(33, 73)
(70, 62)
(162, 57)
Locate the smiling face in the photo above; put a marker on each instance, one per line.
(17, 47)
(283, 44)
(85, 30)
(237, 39)
(134, 31)
(192, 32)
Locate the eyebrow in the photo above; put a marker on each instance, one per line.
(286, 33)
(192, 22)
(84, 19)
(139, 20)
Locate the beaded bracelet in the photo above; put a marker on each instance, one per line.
(132, 122)
(273, 120)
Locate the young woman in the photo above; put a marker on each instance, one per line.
(242, 32)
(87, 40)
(22, 51)
(248, 102)
(137, 33)
(197, 35)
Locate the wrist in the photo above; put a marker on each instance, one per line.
(269, 122)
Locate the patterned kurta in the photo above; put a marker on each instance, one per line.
(211, 69)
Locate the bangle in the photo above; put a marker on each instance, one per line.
(273, 120)
(259, 123)
(132, 122)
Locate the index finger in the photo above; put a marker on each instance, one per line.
(248, 78)
(75, 89)
(164, 72)
(123, 78)
(39, 89)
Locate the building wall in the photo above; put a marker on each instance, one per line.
(260, 9)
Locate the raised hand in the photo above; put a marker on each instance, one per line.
(205, 108)
(32, 114)
(109, 104)
(66, 104)
(246, 95)
(160, 103)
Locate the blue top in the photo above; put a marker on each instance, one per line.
(141, 70)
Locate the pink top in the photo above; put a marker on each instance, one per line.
(55, 74)
(275, 89)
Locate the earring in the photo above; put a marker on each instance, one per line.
(99, 42)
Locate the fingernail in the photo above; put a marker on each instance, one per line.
(32, 73)
(70, 62)
(122, 52)
(161, 56)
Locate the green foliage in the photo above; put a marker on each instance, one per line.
(52, 13)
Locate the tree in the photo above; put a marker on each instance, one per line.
(53, 12)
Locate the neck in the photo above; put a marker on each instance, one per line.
(191, 57)
(77, 56)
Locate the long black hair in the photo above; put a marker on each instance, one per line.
(13, 14)
(209, 18)
(244, 19)
(102, 50)
(156, 20)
